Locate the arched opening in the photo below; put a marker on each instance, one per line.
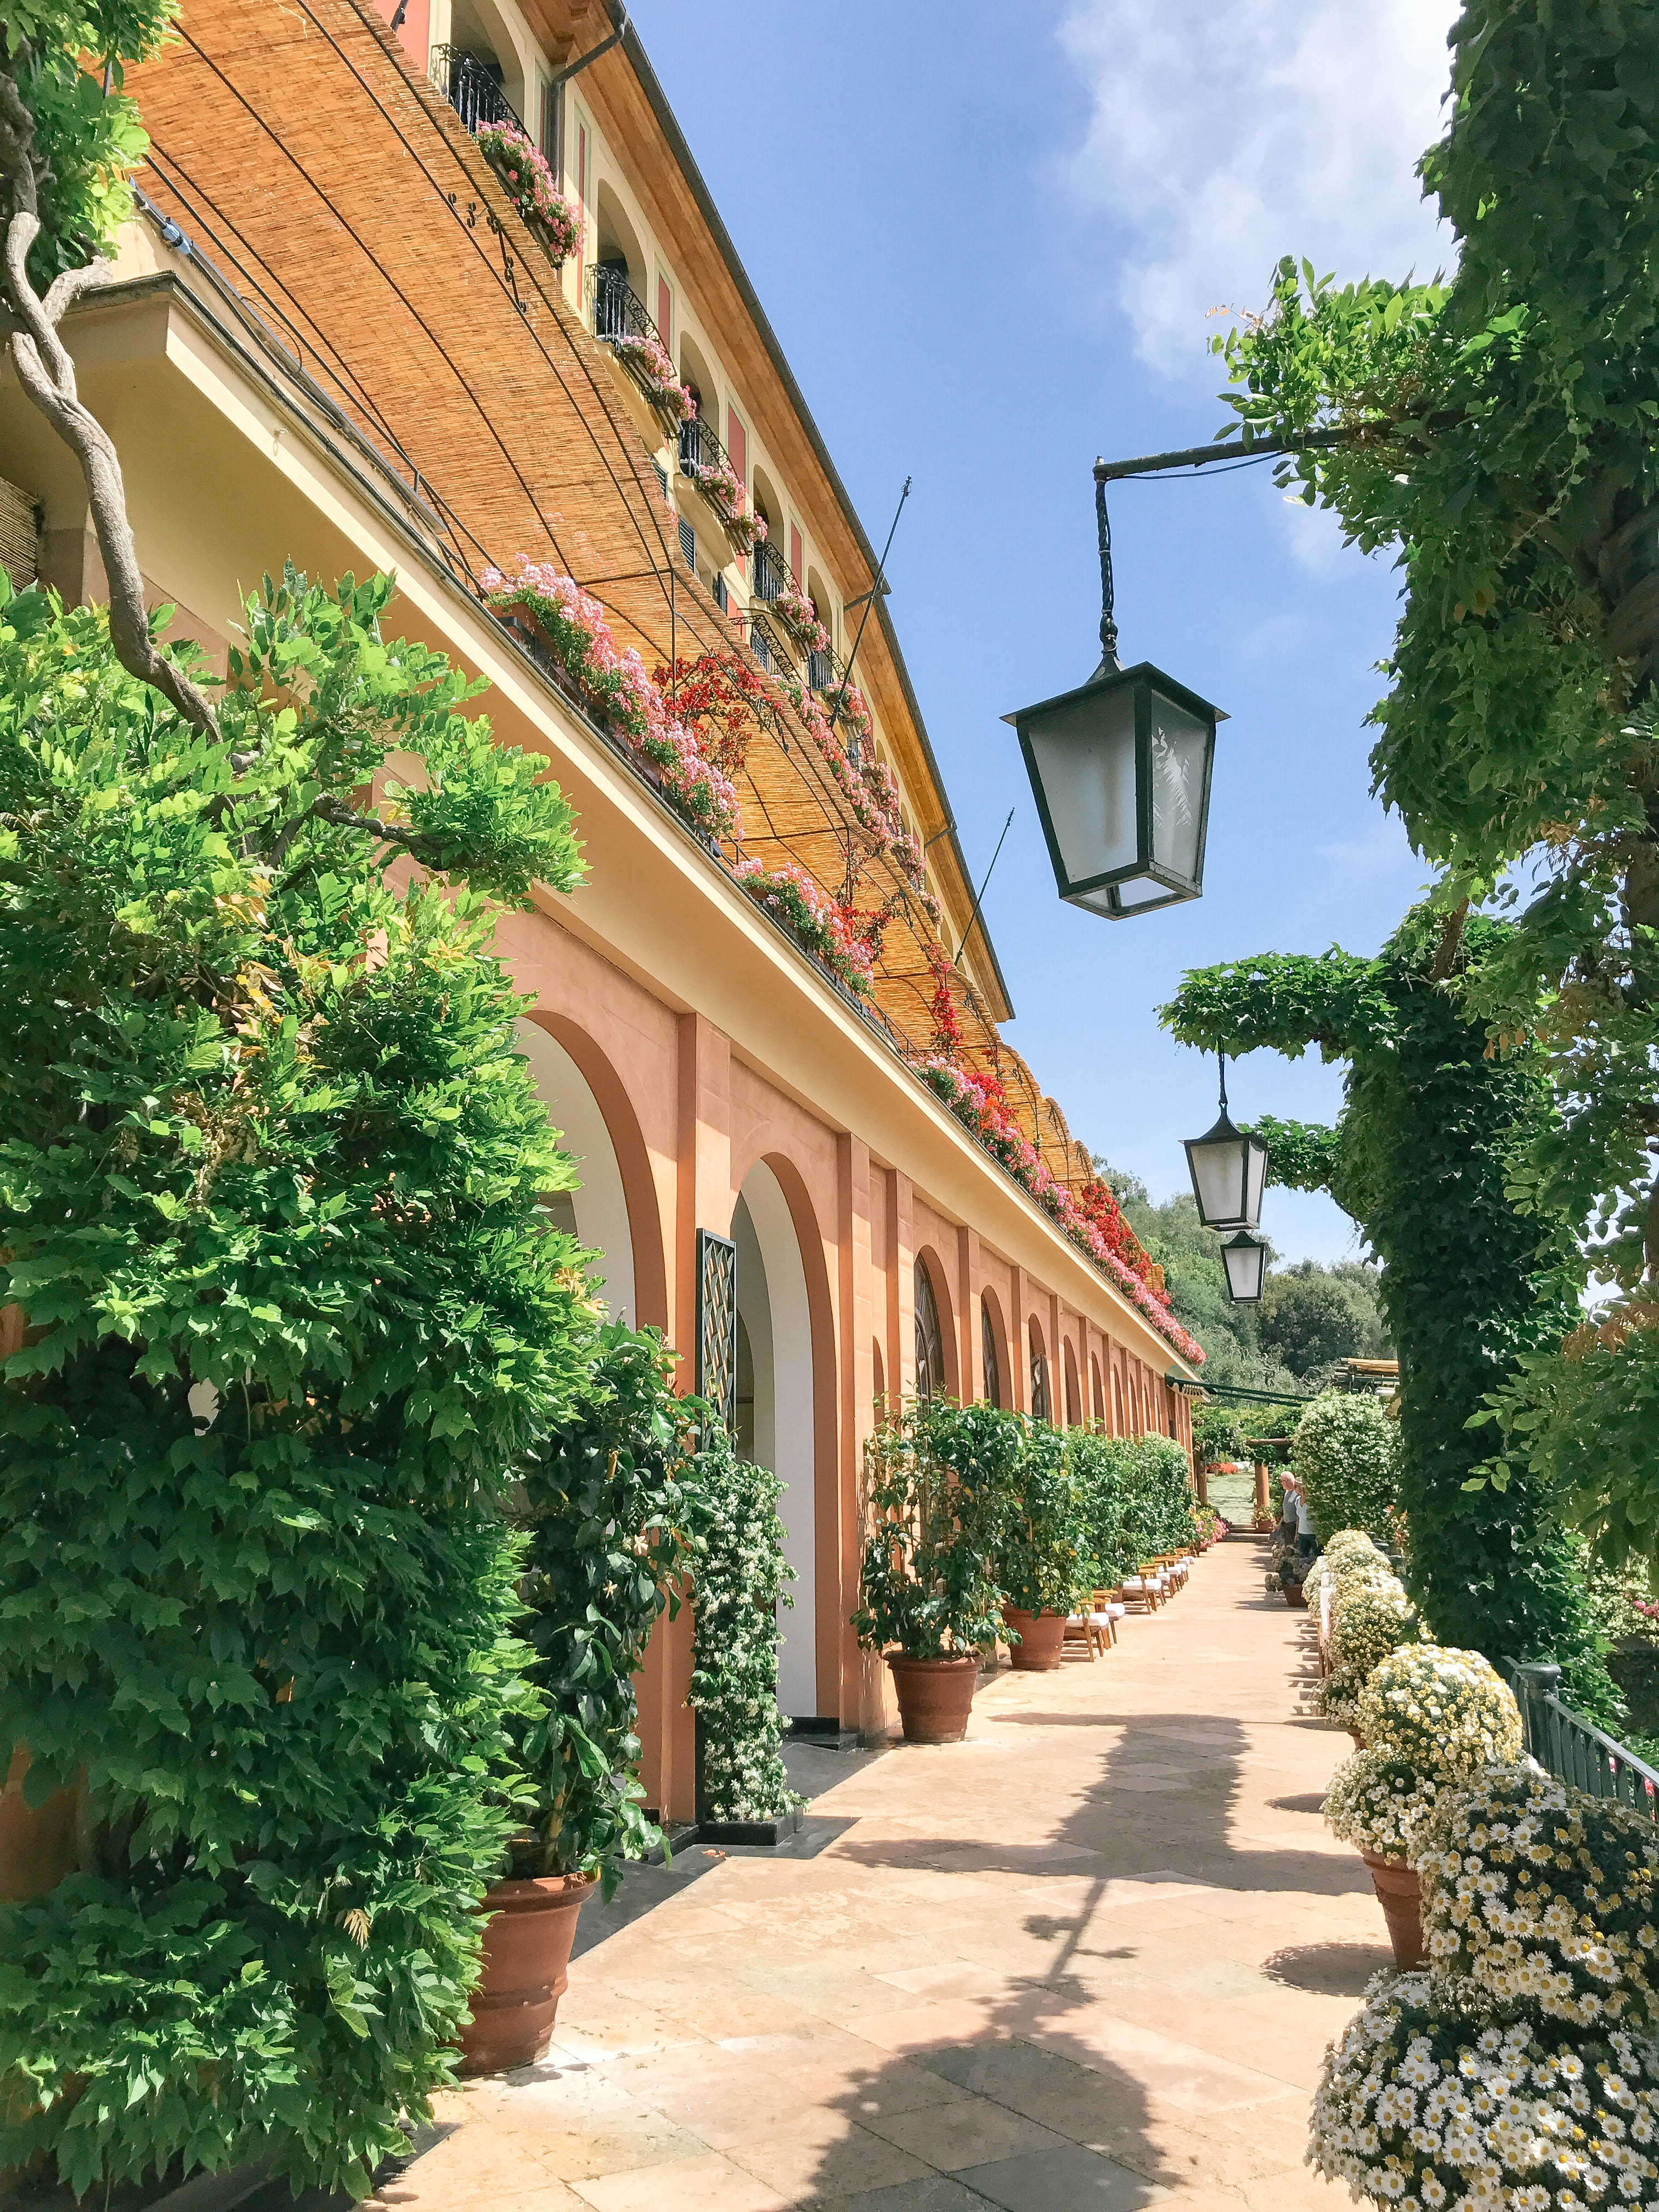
(774, 1319)
(1073, 1396)
(479, 29)
(823, 606)
(597, 1212)
(990, 1353)
(617, 245)
(1120, 1427)
(1042, 1404)
(1097, 1394)
(878, 1384)
(933, 1380)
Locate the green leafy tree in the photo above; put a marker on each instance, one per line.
(1346, 1456)
(1470, 1284)
(1042, 1562)
(1314, 1317)
(1217, 1434)
(270, 1201)
(1499, 430)
(938, 1477)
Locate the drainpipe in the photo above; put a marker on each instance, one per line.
(554, 149)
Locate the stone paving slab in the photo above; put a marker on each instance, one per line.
(1089, 1958)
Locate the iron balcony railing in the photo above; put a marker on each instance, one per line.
(1575, 1749)
(821, 674)
(701, 449)
(771, 578)
(472, 87)
(617, 310)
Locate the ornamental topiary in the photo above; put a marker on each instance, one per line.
(735, 1554)
(271, 1199)
(1345, 1452)
(1448, 1712)
(601, 1503)
(1546, 1897)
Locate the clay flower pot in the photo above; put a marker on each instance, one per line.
(1400, 1894)
(526, 1970)
(1295, 1595)
(1358, 1740)
(1042, 1639)
(935, 1696)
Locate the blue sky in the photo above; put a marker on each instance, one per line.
(987, 238)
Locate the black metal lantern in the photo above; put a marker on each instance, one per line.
(1245, 1258)
(1120, 768)
(1228, 1169)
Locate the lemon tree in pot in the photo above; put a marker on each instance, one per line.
(936, 1476)
(600, 1509)
(1043, 1558)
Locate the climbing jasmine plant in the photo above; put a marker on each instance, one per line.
(734, 1553)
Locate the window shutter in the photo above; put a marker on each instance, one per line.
(794, 554)
(736, 445)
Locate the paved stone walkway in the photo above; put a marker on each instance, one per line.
(1089, 1959)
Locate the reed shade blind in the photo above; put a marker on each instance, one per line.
(20, 539)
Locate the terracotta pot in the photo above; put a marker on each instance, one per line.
(1358, 1740)
(935, 1696)
(526, 1970)
(37, 1842)
(1295, 1595)
(1400, 1894)
(1042, 1639)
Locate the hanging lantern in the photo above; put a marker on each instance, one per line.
(1120, 768)
(1228, 1169)
(1245, 1258)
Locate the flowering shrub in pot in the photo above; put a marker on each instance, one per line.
(1546, 1897)
(1381, 1803)
(1435, 2099)
(532, 187)
(1346, 1451)
(1042, 1560)
(821, 923)
(936, 1476)
(1449, 1712)
(571, 624)
(1371, 1620)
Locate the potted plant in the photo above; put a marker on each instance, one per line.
(1380, 1803)
(1289, 1574)
(935, 1478)
(1043, 1568)
(1521, 2068)
(599, 1509)
(1370, 1619)
(1441, 1716)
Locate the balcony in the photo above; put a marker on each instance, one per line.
(622, 321)
(700, 451)
(771, 578)
(472, 87)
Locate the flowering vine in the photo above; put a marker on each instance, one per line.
(572, 623)
(531, 186)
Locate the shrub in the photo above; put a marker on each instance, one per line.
(1546, 1897)
(1346, 1454)
(936, 1480)
(1159, 1493)
(734, 1549)
(1372, 1619)
(601, 1505)
(1380, 1802)
(271, 1197)
(1432, 2099)
(1043, 1563)
(1101, 1470)
(1448, 1712)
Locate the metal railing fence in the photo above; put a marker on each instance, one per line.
(1575, 1749)
(472, 87)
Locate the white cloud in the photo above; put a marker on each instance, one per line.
(1227, 132)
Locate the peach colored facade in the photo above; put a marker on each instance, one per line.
(706, 1073)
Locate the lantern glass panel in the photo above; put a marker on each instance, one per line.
(1220, 1166)
(1085, 756)
(1245, 1258)
(1180, 756)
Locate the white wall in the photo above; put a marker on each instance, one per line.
(601, 1206)
(772, 1299)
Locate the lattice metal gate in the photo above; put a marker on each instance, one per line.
(717, 1325)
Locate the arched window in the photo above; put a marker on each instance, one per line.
(1097, 1394)
(879, 1390)
(1041, 1404)
(987, 1342)
(1073, 1408)
(930, 1339)
(1118, 1400)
